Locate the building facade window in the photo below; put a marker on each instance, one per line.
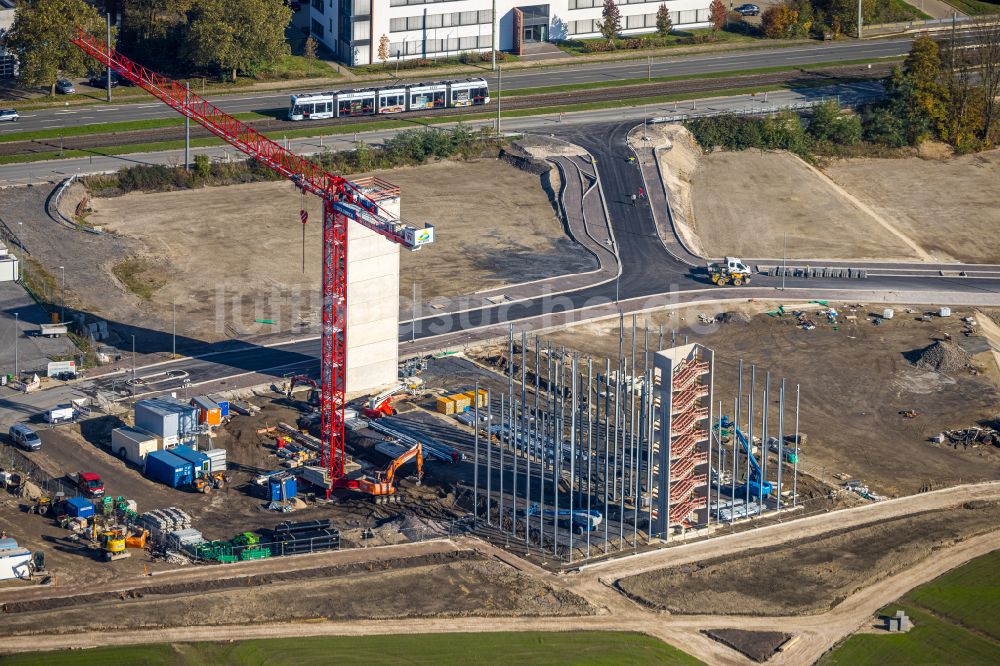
(317, 28)
(431, 21)
(318, 5)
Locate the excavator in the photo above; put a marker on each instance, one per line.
(298, 380)
(383, 489)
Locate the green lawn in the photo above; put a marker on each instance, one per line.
(956, 621)
(591, 648)
(975, 7)
(969, 595)
(107, 128)
(674, 39)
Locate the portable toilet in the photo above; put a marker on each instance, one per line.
(281, 488)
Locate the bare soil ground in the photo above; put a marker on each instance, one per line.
(494, 225)
(445, 585)
(812, 575)
(239, 507)
(855, 380)
(949, 207)
(745, 202)
(928, 208)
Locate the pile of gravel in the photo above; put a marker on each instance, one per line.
(942, 356)
(733, 318)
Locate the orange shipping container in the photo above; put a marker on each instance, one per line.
(462, 402)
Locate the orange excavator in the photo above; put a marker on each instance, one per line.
(383, 488)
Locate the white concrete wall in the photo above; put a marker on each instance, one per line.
(372, 310)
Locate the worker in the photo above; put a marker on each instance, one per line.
(633, 199)
(642, 193)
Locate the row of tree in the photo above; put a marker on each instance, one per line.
(941, 92)
(799, 18)
(946, 91)
(610, 25)
(181, 37)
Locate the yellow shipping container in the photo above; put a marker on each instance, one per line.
(446, 405)
(472, 398)
(462, 402)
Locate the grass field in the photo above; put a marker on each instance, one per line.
(592, 648)
(975, 7)
(956, 621)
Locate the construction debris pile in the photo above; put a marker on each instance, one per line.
(973, 436)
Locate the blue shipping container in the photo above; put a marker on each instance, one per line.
(165, 467)
(223, 407)
(282, 488)
(79, 507)
(201, 462)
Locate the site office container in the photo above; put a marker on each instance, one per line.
(201, 462)
(133, 445)
(79, 507)
(169, 469)
(208, 410)
(167, 418)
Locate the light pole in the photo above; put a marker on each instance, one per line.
(108, 71)
(493, 38)
(62, 298)
(17, 374)
(499, 90)
(174, 347)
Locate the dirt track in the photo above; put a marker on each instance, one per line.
(818, 632)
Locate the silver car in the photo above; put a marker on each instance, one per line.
(9, 115)
(64, 87)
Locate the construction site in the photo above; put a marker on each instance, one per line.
(425, 437)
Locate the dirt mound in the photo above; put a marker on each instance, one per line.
(942, 356)
(733, 318)
(757, 645)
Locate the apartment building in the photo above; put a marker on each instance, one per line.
(439, 28)
(8, 63)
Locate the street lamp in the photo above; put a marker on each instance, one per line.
(62, 298)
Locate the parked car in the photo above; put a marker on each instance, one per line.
(25, 437)
(9, 115)
(747, 10)
(64, 87)
(102, 81)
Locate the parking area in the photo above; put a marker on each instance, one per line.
(22, 345)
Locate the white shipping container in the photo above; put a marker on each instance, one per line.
(8, 268)
(133, 445)
(216, 460)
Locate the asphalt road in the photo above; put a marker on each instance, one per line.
(806, 54)
(648, 271)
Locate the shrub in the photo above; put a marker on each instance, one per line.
(202, 167)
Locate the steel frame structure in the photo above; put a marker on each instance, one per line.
(343, 201)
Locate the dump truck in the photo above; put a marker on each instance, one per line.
(732, 270)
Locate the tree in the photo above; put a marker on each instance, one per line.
(777, 21)
(611, 23)
(40, 40)
(383, 49)
(717, 14)
(309, 48)
(237, 36)
(663, 23)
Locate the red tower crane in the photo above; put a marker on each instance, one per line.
(343, 202)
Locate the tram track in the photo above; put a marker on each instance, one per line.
(540, 101)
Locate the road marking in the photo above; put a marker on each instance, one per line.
(64, 113)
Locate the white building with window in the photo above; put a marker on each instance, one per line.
(439, 28)
(8, 63)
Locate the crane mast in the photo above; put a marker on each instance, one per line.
(343, 202)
